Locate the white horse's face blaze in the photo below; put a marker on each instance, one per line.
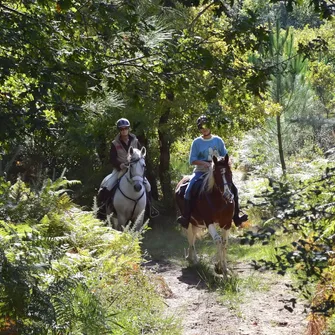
(136, 173)
(136, 169)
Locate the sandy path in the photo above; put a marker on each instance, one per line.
(259, 312)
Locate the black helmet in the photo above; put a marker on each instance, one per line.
(122, 123)
(202, 120)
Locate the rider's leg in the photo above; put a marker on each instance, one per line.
(110, 181)
(105, 194)
(236, 218)
(152, 212)
(185, 218)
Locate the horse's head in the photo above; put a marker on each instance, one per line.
(223, 177)
(136, 167)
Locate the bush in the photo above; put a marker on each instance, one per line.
(62, 271)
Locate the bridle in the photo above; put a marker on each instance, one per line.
(224, 187)
(132, 179)
(129, 165)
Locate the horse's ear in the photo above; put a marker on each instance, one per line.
(143, 151)
(226, 158)
(131, 150)
(215, 159)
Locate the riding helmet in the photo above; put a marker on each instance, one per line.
(122, 123)
(202, 120)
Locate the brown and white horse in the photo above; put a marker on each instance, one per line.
(213, 204)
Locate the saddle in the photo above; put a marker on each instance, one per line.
(195, 188)
(105, 199)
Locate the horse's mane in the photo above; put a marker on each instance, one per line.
(209, 181)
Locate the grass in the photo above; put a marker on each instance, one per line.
(165, 241)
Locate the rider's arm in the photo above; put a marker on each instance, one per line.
(222, 148)
(113, 157)
(194, 156)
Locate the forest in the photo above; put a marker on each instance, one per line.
(262, 71)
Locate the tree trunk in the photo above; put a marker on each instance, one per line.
(279, 132)
(164, 160)
(280, 146)
(151, 169)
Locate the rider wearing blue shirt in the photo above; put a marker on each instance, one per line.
(203, 149)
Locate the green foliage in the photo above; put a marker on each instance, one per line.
(305, 209)
(216, 282)
(19, 203)
(331, 326)
(62, 271)
(180, 159)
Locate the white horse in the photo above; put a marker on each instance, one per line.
(130, 196)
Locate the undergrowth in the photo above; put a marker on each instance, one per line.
(63, 272)
(303, 211)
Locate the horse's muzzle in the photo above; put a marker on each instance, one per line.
(137, 187)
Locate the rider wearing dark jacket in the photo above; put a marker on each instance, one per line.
(118, 157)
(120, 146)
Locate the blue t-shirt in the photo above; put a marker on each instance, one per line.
(204, 150)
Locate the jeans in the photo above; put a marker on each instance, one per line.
(195, 176)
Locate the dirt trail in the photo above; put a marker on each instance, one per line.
(259, 312)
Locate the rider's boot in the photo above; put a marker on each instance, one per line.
(236, 218)
(185, 218)
(152, 212)
(102, 198)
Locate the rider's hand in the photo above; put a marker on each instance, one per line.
(122, 166)
(207, 164)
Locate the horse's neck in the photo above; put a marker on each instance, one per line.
(209, 183)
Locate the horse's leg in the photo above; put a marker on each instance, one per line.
(221, 255)
(115, 224)
(121, 221)
(191, 237)
(225, 235)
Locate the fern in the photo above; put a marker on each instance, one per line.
(63, 272)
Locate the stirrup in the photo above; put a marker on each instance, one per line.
(154, 212)
(239, 220)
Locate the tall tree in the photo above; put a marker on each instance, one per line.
(287, 79)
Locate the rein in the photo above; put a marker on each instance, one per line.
(210, 203)
(130, 180)
(226, 194)
(128, 165)
(135, 200)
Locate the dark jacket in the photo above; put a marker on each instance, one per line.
(119, 150)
